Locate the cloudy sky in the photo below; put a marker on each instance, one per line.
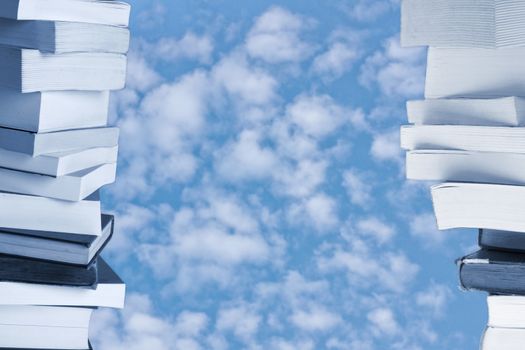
(261, 200)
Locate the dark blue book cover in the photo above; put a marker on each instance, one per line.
(502, 240)
(16, 269)
(492, 271)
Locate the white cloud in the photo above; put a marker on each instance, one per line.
(140, 75)
(370, 10)
(390, 270)
(240, 320)
(317, 116)
(424, 227)
(383, 322)
(190, 46)
(320, 211)
(398, 72)
(300, 180)
(376, 228)
(246, 159)
(336, 60)
(358, 188)
(137, 328)
(275, 37)
(385, 147)
(435, 298)
(314, 319)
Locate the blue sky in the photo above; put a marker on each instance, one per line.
(261, 200)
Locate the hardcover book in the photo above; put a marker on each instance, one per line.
(493, 272)
(56, 246)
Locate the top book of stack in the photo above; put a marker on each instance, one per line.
(107, 12)
(463, 23)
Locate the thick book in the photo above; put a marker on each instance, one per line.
(27, 212)
(464, 138)
(466, 166)
(63, 37)
(506, 311)
(53, 110)
(27, 70)
(502, 240)
(110, 292)
(503, 339)
(463, 23)
(58, 164)
(25, 270)
(473, 205)
(85, 11)
(44, 327)
(36, 144)
(72, 187)
(493, 272)
(505, 111)
(475, 73)
(56, 246)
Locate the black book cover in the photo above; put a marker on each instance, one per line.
(496, 272)
(502, 240)
(106, 275)
(16, 269)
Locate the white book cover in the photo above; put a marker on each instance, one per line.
(63, 37)
(465, 138)
(36, 144)
(72, 187)
(465, 166)
(58, 164)
(53, 110)
(475, 72)
(28, 70)
(505, 111)
(27, 212)
(476, 205)
(87, 11)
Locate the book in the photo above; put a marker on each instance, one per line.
(466, 166)
(27, 212)
(36, 144)
(85, 11)
(501, 240)
(57, 246)
(475, 72)
(25, 270)
(53, 110)
(473, 205)
(63, 37)
(72, 187)
(110, 292)
(503, 338)
(493, 272)
(463, 23)
(464, 138)
(58, 164)
(504, 111)
(49, 327)
(506, 311)
(27, 70)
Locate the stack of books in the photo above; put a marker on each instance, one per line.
(58, 61)
(469, 134)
